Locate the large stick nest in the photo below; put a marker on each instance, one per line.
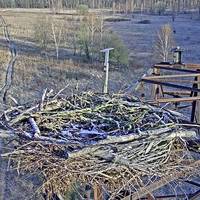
(113, 141)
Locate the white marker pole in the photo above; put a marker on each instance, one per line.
(106, 64)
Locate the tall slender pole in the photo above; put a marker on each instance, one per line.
(106, 65)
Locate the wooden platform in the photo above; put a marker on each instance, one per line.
(183, 82)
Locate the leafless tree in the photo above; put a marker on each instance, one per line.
(164, 43)
(57, 33)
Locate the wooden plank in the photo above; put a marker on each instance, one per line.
(162, 182)
(172, 68)
(192, 66)
(163, 65)
(177, 92)
(172, 76)
(180, 81)
(176, 100)
(172, 85)
(156, 82)
(183, 66)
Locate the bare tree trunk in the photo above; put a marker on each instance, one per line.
(179, 6)
(173, 10)
(114, 7)
(101, 29)
(55, 40)
(56, 36)
(93, 4)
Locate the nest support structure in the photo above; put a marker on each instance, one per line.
(122, 147)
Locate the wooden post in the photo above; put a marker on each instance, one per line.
(98, 192)
(194, 103)
(198, 103)
(156, 88)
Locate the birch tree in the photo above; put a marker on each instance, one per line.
(57, 33)
(164, 43)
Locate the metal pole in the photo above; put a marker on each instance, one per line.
(106, 64)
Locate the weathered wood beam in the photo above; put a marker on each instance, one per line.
(192, 66)
(183, 66)
(170, 85)
(172, 76)
(180, 81)
(172, 68)
(177, 100)
(177, 92)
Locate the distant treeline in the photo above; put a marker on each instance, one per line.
(116, 5)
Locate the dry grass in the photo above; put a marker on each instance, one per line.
(33, 74)
(21, 25)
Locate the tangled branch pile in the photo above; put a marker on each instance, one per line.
(113, 141)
